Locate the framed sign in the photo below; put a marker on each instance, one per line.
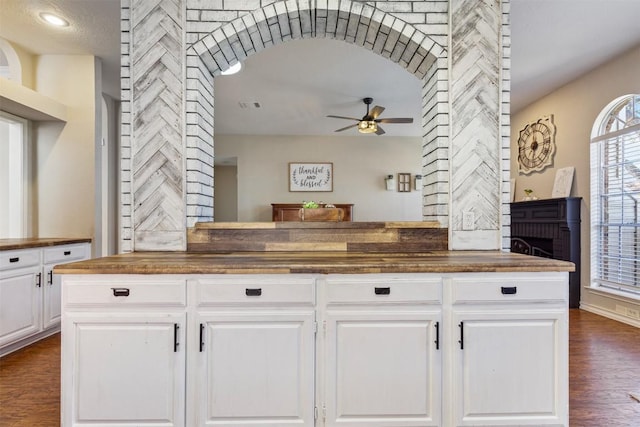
(310, 176)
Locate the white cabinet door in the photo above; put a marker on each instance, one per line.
(20, 302)
(51, 298)
(255, 368)
(56, 255)
(382, 368)
(507, 365)
(125, 370)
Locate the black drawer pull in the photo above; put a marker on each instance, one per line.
(382, 291)
(509, 290)
(67, 253)
(255, 292)
(120, 292)
(16, 259)
(201, 337)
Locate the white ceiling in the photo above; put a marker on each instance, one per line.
(298, 83)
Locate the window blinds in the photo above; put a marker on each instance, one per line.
(616, 239)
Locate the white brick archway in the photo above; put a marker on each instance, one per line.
(172, 49)
(354, 22)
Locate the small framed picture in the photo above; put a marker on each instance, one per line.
(310, 176)
(563, 181)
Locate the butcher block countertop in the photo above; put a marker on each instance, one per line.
(36, 242)
(313, 262)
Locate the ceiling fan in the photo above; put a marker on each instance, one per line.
(369, 122)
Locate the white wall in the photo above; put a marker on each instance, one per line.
(65, 152)
(575, 108)
(359, 167)
(226, 198)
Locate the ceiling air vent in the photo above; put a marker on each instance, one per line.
(249, 105)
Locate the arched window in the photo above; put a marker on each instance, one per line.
(10, 67)
(615, 197)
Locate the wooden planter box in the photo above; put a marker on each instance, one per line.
(321, 214)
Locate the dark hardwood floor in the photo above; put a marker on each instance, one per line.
(604, 366)
(30, 385)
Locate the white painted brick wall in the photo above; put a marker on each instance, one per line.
(411, 33)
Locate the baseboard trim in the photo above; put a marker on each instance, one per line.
(10, 348)
(610, 314)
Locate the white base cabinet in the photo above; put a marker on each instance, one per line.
(374, 350)
(509, 350)
(123, 351)
(30, 306)
(254, 358)
(381, 359)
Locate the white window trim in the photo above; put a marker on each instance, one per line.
(596, 285)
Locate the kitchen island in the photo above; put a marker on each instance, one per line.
(315, 337)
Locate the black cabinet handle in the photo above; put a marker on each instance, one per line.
(253, 292)
(201, 337)
(67, 253)
(437, 325)
(120, 292)
(509, 290)
(382, 291)
(175, 337)
(16, 259)
(461, 340)
(39, 280)
(50, 280)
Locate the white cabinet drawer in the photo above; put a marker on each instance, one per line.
(509, 289)
(383, 289)
(256, 290)
(10, 260)
(65, 253)
(124, 293)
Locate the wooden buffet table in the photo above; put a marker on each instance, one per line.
(291, 211)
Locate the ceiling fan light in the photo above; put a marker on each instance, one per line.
(367, 126)
(234, 69)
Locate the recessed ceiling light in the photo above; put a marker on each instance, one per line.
(54, 20)
(233, 69)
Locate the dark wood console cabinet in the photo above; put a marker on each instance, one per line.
(550, 228)
(290, 211)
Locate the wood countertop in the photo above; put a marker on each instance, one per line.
(37, 242)
(313, 262)
(314, 225)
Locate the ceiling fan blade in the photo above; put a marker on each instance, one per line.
(376, 111)
(345, 128)
(396, 120)
(380, 131)
(342, 117)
